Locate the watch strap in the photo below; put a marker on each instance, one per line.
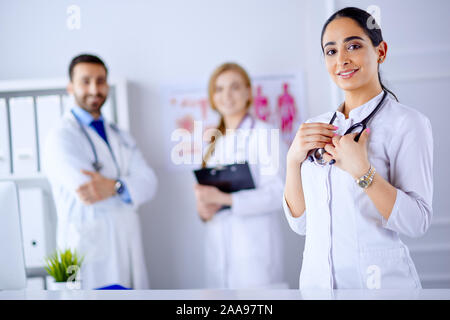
(119, 187)
(366, 180)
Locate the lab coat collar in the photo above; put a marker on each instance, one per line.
(85, 117)
(247, 122)
(361, 112)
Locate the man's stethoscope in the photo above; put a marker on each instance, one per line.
(97, 164)
(316, 155)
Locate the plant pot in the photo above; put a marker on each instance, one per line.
(53, 285)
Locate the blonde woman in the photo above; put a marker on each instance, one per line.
(243, 243)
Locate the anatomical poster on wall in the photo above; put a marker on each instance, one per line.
(277, 99)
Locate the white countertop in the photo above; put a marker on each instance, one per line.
(424, 294)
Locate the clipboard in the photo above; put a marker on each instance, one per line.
(228, 178)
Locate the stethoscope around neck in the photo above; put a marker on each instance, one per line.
(97, 165)
(316, 155)
(247, 115)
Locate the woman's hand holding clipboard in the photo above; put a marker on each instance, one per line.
(227, 179)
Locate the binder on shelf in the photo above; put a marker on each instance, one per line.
(5, 156)
(23, 136)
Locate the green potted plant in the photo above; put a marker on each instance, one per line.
(64, 266)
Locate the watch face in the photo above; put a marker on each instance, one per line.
(363, 184)
(119, 187)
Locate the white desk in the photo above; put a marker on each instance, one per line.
(425, 294)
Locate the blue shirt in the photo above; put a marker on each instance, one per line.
(98, 125)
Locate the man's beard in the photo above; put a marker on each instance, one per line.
(90, 107)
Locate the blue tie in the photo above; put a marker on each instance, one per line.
(100, 128)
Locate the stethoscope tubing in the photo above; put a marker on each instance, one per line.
(362, 124)
(96, 164)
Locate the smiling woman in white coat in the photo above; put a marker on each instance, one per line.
(99, 178)
(372, 183)
(243, 243)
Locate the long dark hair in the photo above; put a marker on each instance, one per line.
(362, 18)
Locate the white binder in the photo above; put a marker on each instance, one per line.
(48, 115)
(33, 216)
(67, 103)
(107, 110)
(23, 136)
(5, 161)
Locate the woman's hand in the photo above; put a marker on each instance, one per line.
(349, 155)
(209, 200)
(212, 195)
(308, 137)
(206, 211)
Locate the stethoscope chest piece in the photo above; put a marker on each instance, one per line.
(316, 155)
(97, 166)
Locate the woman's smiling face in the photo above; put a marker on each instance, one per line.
(231, 94)
(350, 57)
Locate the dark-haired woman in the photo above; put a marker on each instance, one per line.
(368, 188)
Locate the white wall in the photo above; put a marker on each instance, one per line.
(153, 43)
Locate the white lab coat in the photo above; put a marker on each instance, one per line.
(348, 243)
(243, 244)
(107, 233)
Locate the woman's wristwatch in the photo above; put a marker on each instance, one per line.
(366, 180)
